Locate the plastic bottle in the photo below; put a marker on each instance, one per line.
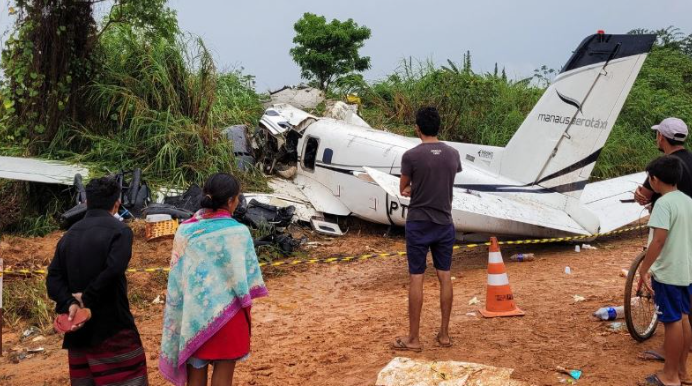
(610, 313)
(523, 257)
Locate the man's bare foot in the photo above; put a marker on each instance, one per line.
(444, 340)
(404, 344)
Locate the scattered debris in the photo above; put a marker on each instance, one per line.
(624, 272)
(577, 249)
(617, 326)
(474, 301)
(568, 270)
(36, 350)
(29, 332)
(38, 339)
(302, 97)
(578, 298)
(238, 135)
(610, 313)
(471, 314)
(326, 228)
(588, 247)
(346, 113)
(576, 374)
(410, 372)
(157, 300)
(521, 257)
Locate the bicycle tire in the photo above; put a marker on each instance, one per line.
(640, 332)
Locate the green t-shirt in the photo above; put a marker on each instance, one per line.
(673, 212)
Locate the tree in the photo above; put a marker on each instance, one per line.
(53, 54)
(326, 52)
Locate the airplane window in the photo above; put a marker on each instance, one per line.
(327, 156)
(310, 155)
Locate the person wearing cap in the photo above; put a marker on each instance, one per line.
(671, 134)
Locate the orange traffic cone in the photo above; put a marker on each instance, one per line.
(499, 300)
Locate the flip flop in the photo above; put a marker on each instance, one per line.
(651, 355)
(400, 345)
(654, 380)
(444, 345)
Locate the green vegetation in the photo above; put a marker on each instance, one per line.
(131, 92)
(326, 52)
(488, 108)
(26, 301)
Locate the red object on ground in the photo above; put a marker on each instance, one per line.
(63, 324)
(232, 341)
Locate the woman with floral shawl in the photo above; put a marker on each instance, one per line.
(214, 277)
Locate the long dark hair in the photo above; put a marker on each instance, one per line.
(218, 189)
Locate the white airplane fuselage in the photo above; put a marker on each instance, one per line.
(342, 177)
(538, 185)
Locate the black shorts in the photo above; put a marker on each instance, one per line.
(424, 236)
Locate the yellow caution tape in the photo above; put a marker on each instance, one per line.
(362, 257)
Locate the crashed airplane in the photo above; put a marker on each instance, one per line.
(538, 185)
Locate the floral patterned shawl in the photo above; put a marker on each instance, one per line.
(214, 274)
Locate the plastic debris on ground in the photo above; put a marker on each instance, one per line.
(617, 326)
(576, 374)
(568, 270)
(624, 272)
(588, 247)
(471, 314)
(409, 372)
(578, 298)
(157, 300)
(29, 332)
(577, 249)
(474, 301)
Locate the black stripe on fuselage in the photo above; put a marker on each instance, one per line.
(565, 188)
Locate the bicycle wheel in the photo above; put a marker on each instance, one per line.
(640, 309)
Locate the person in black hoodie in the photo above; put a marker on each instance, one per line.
(88, 271)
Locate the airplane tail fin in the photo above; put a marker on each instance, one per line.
(559, 142)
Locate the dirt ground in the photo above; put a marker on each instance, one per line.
(332, 324)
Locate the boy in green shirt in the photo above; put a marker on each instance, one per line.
(669, 258)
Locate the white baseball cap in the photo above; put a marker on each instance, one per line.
(672, 128)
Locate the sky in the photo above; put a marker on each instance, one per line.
(519, 35)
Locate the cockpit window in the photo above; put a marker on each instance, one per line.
(310, 154)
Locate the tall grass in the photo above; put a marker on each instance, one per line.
(487, 109)
(474, 108)
(159, 105)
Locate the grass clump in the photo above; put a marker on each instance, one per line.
(26, 301)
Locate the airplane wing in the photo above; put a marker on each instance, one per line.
(467, 203)
(38, 170)
(604, 199)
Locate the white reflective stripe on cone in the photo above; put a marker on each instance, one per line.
(495, 258)
(498, 279)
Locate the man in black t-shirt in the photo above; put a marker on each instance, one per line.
(670, 138)
(427, 176)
